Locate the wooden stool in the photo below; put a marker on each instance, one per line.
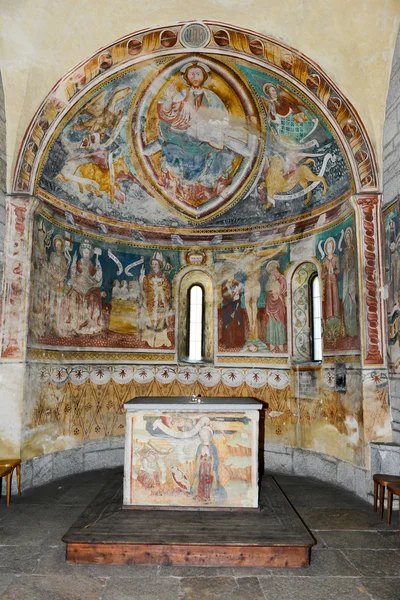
(7, 473)
(393, 488)
(15, 464)
(381, 481)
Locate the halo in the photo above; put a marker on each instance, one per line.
(330, 239)
(196, 65)
(273, 264)
(350, 231)
(58, 237)
(269, 85)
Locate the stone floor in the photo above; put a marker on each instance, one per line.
(356, 556)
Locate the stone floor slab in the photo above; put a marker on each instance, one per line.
(54, 587)
(342, 519)
(391, 536)
(318, 588)
(19, 559)
(221, 588)
(371, 540)
(5, 580)
(326, 562)
(383, 589)
(141, 589)
(375, 562)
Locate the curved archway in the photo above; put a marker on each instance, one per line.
(225, 40)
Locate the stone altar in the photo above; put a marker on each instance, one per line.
(191, 453)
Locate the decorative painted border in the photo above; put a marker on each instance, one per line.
(218, 38)
(121, 374)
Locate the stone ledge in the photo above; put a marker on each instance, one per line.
(298, 461)
(108, 453)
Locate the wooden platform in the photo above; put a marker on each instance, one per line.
(275, 536)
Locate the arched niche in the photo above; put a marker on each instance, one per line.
(190, 278)
(301, 312)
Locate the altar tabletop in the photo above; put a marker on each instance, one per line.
(186, 403)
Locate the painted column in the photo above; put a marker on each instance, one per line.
(371, 281)
(376, 410)
(14, 319)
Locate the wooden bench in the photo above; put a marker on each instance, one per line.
(393, 488)
(15, 464)
(7, 473)
(381, 481)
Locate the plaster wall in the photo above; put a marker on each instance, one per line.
(42, 40)
(3, 178)
(391, 133)
(391, 196)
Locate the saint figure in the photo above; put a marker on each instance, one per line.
(275, 307)
(58, 270)
(330, 271)
(233, 328)
(85, 314)
(156, 294)
(349, 285)
(206, 478)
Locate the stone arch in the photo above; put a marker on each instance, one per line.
(191, 277)
(203, 37)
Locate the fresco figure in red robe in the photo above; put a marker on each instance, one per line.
(233, 315)
(84, 306)
(275, 307)
(330, 272)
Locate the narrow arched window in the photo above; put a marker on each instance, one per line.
(195, 323)
(316, 327)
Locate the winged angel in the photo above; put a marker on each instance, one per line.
(102, 115)
(98, 170)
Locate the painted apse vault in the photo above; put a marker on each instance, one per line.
(178, 141)
(218, 158)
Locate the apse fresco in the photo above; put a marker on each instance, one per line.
(392, 272)
(337, 254)
(182, 140)
(87, 292)
(252, 311)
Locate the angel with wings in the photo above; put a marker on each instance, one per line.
(103, 115)
(281, 103)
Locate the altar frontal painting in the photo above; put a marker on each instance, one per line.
(193, 459)
(186, 139)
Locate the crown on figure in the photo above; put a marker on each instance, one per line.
(86, 244)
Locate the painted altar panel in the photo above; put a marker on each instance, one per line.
(192, 459)
(337, 252)
(88, 292)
